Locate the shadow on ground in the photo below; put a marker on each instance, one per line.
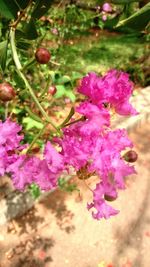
(31, 252)
(55, 203)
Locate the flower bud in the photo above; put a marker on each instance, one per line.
(42, 55)
(7, 92)
(52, 90)
(109, 198)
(130, 156)
(35, 149)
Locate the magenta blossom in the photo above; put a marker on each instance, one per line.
(113, 90)
(9, 134)
(107, 7)
(103, 210)
(96, 119)
(9, 143)
(88, 145)
(30, 169)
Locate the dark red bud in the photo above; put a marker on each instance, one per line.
(130, 156)
(35, 149)
(52, 90)
(109, 198)
(42, 55)
(7, 92)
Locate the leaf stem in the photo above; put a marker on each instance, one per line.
(36, 137)
(72, 122)
(71, 113)
(19, 70)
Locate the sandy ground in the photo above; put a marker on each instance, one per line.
(59, 231)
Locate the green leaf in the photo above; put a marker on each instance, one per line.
(18, 80)
(70, 95)
(30, 30)
(64, 79)
(41, 7)
(3, 54)
(76, 75)
(23, 44)
(60, 91)
(16, 110)
(30, 123)
(35, 190)
(10, 8)
(138, 20)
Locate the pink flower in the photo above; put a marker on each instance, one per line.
(54, 31)
(76, 147)
(120, 88)
(107, 7)
(103, 210)
(9, 143)
(9, 134)
(120, 170)
(104, 17)
(114, 89)
(53, 158)
(86, 145)
(94, 88)
(3, 160)
(22, 172)
(44, 177)
(96, 119)
(30, 169)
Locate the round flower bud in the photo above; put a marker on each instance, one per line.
(52, 90)
(109, 198)
(35, 149)
(42, 55)
(7, 92)
(130, 156)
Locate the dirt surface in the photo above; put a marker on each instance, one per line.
(59, 231)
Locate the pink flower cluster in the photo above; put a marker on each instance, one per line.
(27, 169)
(106, 9)
(86, 145)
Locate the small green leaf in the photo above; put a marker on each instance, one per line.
(16, 110)
(10, 8)
(64, 79)
(60, 91)
(35, 190)
(18, 80)
(70, 95)
(3, 54)
(30, 123)
(76, 75)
